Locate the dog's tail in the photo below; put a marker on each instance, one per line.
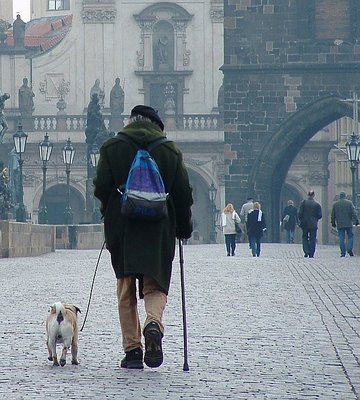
(58, 309)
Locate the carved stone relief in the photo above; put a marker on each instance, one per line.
(217, 11)
(94, 13)
(50, 86)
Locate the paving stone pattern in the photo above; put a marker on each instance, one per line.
(275, 327)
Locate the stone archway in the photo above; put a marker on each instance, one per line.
(271, 166)
(56, 201)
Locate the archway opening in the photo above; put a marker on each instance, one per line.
(269, 173)
(201, 209)
(55, 199)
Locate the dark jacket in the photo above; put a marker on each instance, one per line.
(254, 227)
(143, 247)
(343, 214)
(291, 211)
(309, 214)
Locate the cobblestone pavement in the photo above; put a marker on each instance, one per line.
(275, 327)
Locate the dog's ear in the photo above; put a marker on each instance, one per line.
(77, 309)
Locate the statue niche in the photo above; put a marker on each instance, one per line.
(163, 46)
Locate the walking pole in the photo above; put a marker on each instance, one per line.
(181, 257)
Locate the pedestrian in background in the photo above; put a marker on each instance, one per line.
(256, 226)
(142, 250)
(309, 214)
(343, 215)
(289, 220)
(228, 219)
(244, 211)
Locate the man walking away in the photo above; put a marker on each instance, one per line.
(309, 214)
(246, 207)
(289, 219)
(142, 250)
(343, 215)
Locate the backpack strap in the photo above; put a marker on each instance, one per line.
(156, 143)
(125, 138)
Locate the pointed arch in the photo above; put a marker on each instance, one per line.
(275, 159)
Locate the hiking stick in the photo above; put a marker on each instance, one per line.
(181, 256)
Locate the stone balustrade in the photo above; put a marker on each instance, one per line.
(77, 123)
(208, 122)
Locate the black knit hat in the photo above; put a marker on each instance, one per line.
(147, 112)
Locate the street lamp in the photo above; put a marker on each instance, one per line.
(212, 196)
(68, 157)
(353, 152)
(94, 159)
(45, 149)
(20, 139)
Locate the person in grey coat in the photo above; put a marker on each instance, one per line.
(343, 215)
(309, 214)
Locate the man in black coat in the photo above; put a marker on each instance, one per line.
(289, 219)
(309, 214)
(142, 250)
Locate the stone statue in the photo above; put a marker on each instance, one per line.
(3, 122)
(100, 92)
(95, 126)
(117, 96)
(162, 52)
(4, 26)
(5, 196)
(19, 32)
(14, 172)
(26, 102)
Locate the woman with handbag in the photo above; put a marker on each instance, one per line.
(229, 218)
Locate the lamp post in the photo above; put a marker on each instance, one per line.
(94, 156)
(20, 139)
(353, 152)
(45, 149)
(212, 196)
(68, 157)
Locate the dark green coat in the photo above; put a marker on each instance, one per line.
(142, 247)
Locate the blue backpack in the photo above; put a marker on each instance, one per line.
(143, 196)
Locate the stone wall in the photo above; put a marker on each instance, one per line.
(25, 240)
(80, 237)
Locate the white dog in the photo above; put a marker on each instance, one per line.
(62, 327)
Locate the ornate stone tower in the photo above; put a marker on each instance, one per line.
(287, 68)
